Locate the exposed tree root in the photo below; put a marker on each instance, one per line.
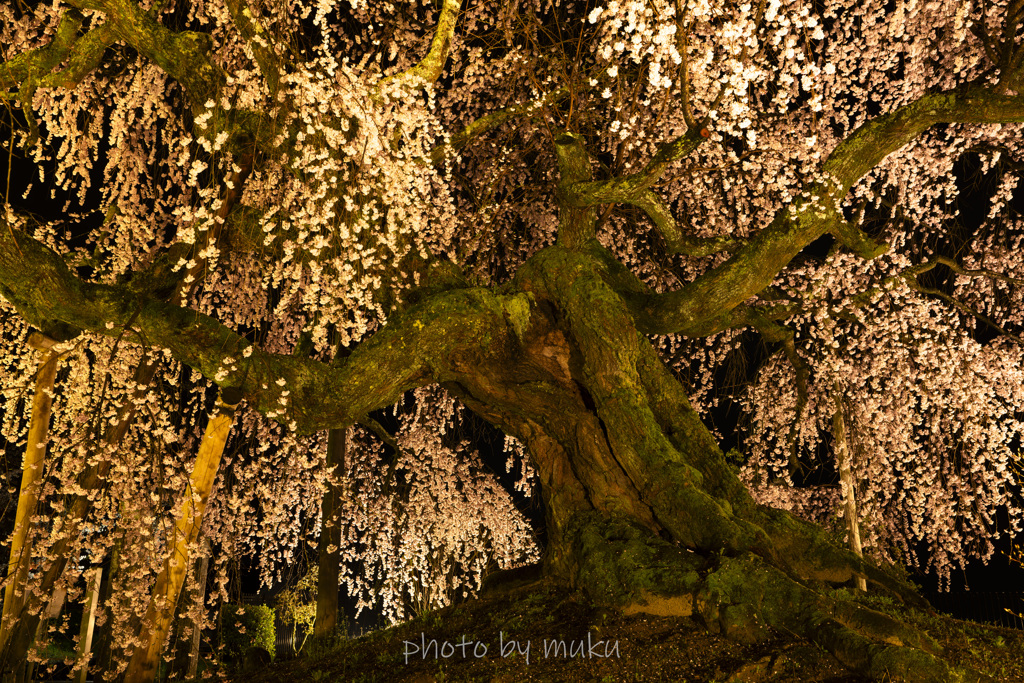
(624, 565)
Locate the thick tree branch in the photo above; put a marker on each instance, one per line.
(866, 147)
(815, 211)
(746, 316)
(577, 223)
(577, 196)
(41, 61)
(429, 69)
(187, 58)
(631, 187)
(857, 241)
(184, 56)
(676, 241)
(438, 340)
(35, 68)
(635, 189)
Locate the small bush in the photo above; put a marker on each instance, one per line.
(296, 608)
(246, 627)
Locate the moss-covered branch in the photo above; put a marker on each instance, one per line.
(427, 71)
(437, 340)
(186, 57)
(629, 188)
(578, 193)
(577, 222)
(866, 147)
(814, 212)
(41, 61)
(676, 241)
(857, 241)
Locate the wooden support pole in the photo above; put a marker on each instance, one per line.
(92, 599)
(142, 668)
(329, 554)
(31, 481)
(847, 485)
(51, 612)
(200, 606)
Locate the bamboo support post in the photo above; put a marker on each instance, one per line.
(142, 668)
(200, 603)
(31, 481)
(88, 625)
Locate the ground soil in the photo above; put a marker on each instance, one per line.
(648, 648)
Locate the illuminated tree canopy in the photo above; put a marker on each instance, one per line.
(569, 218)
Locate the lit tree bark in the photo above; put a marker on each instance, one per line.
(329, 545)
(31, 480)
(643, 513)
(159, 617)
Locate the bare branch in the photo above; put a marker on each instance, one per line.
(491, 121)
(910, 276)
(968, 272)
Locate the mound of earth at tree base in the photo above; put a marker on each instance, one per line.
(543, 632)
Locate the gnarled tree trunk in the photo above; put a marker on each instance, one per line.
(643, 512)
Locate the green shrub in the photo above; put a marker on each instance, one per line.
(245, 627)
(297, 608)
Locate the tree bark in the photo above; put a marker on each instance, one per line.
(643, 512)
